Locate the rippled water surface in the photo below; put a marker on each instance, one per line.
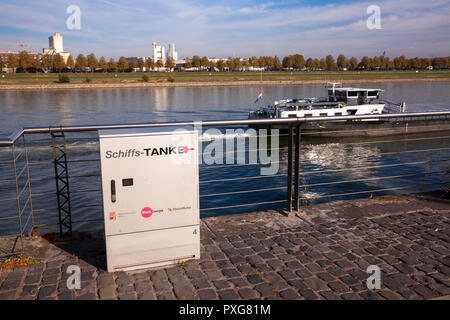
(359, 165)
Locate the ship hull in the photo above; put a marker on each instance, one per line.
(365, 128)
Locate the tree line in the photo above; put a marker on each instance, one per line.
(26, 62)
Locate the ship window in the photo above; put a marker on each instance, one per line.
(351, 112)
(324, 114)
(372, 93)
(338, 114)
(292, 115)
(353, 93)
(308, 115)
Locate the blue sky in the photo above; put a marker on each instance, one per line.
(243, 28)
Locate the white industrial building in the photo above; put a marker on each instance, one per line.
(159, 52)
(55, 43)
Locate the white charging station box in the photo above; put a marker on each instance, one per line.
(150, 187)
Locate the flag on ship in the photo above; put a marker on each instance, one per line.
(259, 96)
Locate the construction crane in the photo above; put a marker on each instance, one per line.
(22, 45)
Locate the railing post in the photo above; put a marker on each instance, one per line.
(16, 178)
(297, 168)
(62, 192)
(28, 181)
(289, 175)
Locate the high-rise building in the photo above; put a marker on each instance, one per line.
(172, 53)
(158, 52)
(55, 43)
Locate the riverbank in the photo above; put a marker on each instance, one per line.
(190, 79)
(321, 253)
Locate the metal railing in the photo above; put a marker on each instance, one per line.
(32, 159)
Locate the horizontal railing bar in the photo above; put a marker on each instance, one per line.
(242, 178)
(243, 191)
(8, 180)
(394, 140)
(8, 199)
(9, 217)
(33, 130)
(82, 191)
(358, 192)
(379, 154)
(35, 163)
(368, 179)
(85, 160)
(243, 205)
(6, 161)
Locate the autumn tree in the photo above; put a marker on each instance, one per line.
(323, 64)
(122, 64)
(220, 65)
(353, 63)
(112, 65)
(103, 64)
(187, 63)
(331, 64)
(47, 62)
(196, 62)
(92, 62)
(342, 61)
(288, 62)
(24, 61)
(59, 63)
(141, 63)
(365, 62)
(276, 63)
(70, 62)
(204, 62)
(12, 61)
(159, 63)
(81, 63)
(150, 64)
(132, 64)
(170, 63)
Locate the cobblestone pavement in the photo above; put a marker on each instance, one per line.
(243, 257)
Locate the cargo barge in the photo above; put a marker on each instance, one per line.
(348, 101)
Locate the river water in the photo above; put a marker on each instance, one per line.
(360, 165)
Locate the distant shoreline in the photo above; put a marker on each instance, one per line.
(202, 83)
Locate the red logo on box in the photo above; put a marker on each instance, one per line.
(146, 212)
(112, 215)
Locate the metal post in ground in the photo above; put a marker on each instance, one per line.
(19, 216)
(289, 175)
(297, 168)
(62, 184)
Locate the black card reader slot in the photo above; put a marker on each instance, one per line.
(127, 182)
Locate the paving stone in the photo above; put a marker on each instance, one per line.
(207, 294)
(247, 293)
(107, 292)
(228, 294)
(265, 290)
(47, 291)
(128, 296)
(254, 279)
(289, 294)
(184, 291)
(221, 284)
(201, 283)
(329, 295)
